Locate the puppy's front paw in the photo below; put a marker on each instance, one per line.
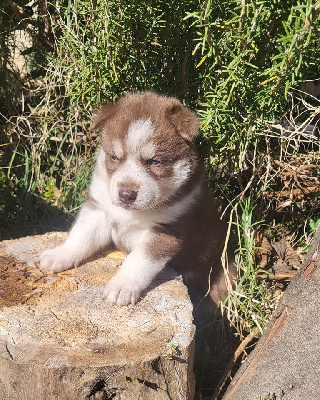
(121, 292)
(57, 259)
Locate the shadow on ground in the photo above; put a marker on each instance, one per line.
(215, 347)
(23, 214)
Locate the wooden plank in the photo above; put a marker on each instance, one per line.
(285, 363)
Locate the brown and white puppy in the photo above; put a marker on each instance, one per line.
(149, 197)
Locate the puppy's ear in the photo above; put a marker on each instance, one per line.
(185, 122)
(105, 112)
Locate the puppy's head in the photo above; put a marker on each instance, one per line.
(147, 144)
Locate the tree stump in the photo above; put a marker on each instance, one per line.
(60, 340)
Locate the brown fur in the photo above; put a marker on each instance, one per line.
(195, 240)
(148, 195)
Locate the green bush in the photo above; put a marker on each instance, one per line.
(259, 129)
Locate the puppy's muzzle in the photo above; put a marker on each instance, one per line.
(127, 196)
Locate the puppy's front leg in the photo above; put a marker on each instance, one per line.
(135, 274)
(90, 233)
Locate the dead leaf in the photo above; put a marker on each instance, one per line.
(286, 257)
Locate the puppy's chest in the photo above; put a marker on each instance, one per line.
(129, 235)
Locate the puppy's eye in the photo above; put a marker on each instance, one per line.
(114, 158)
(152, 162)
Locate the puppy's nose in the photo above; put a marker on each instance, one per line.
(127, 196)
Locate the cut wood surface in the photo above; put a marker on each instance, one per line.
(60, 340)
